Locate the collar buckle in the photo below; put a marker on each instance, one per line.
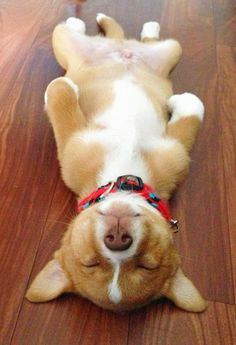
(129, 182)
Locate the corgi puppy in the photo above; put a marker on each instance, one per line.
(123, 142)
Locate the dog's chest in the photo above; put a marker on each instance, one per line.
(126, 128)
(131, 121)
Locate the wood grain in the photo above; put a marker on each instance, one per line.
(200, 201)
(167, 326)
(226, 57)
(35, 206)
(28, 166)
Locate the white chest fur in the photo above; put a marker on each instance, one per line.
(129, 125)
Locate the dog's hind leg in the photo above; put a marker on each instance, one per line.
(110, 27)
(187, 113)
(62, 107)
(64, 41)
(162, 56)
(150, 32)
(170, 160)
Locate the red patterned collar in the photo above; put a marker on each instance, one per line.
(132, 184)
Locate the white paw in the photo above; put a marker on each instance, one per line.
(76, 24)
(66, 80)
(185, 105)
(150, 30)
(100, 17)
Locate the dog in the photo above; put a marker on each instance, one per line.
(123, 142)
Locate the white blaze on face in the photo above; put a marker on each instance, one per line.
(114, 291)
(117, 258)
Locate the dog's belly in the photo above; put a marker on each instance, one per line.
(125, 129)
(98, 50)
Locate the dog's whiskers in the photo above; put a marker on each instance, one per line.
(58, 221)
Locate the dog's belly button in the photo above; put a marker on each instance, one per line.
(123, 55)
(126, 54)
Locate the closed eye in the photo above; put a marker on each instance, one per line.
(148, 268)
(92, 264)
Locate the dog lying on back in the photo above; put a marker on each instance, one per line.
(121, 154)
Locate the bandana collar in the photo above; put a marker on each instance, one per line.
(132, 184)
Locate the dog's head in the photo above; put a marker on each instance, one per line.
(118, 253)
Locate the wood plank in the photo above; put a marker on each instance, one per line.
(164, 324)
(225, 20)
(200, 202)
(226, 109)
(27, 152)
(225, 27)
(70, 320)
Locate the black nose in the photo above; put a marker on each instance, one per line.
(117, 239)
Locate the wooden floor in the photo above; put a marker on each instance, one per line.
(35, 206)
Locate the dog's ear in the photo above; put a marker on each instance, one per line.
(184, 294)
(51, 282)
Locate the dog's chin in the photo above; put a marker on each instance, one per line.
(123, 307)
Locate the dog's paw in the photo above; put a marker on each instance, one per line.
(150, 30)
(76, 24)
(100, 17)
(185, 105)
(57, 83)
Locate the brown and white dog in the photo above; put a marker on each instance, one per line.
(110, 116)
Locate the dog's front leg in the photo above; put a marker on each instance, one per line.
(170, 160)
(62, 107)
(80, 157)
(187, 114)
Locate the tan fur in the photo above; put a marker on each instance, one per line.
(168, 168)
(185, 130)
(81, 177)
(111, 28)
(79, 265)
(64, 113)
(91, 79)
